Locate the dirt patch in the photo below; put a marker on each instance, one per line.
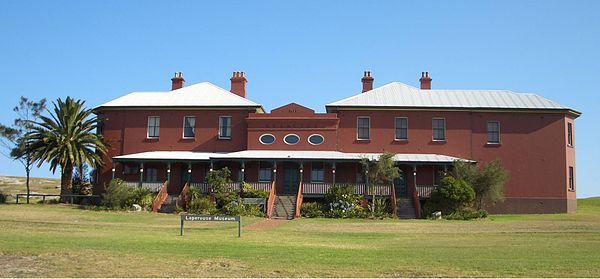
(20, 266)
(265, 225)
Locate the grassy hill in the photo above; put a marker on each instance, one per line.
(11, 185)
(64, 241)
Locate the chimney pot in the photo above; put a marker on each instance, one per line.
(425, 81)
(367, 82)
(238, 84)
(177, 81)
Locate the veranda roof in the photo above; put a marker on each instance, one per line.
(281, 155)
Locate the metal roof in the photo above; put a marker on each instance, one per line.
(203, 94)
(281, 155)
(398, 94)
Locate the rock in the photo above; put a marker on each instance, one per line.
(437, 215)
(136, 207)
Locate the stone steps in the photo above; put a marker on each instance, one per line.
(285, 207)
(405, 209)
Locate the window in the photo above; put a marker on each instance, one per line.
(360, 177)
(570, 134)
(189, 127)
(363, 125)
(264, 172)
(401, 124)
(266, 139)
(439, 129)
(225, 127)
(317, 174)
(493, 132)
(291, 139)
(571, 179)
(151, 175)
(316, 139)
(153, 126)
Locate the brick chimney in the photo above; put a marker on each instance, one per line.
(425, 81)
(177, 81)
(238, 84)
(367, 82)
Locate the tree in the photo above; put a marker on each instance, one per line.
(453, 196)
(383, 172)
(487, 181)
(66, 139)
(12, 138)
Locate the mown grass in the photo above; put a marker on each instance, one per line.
(59, 240)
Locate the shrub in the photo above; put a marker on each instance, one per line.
(382, 208)
(142, 196)
(224, 199)
(453, 195)
(250, 192)
(118, 195)
(311, 210)
(202, 205)
(254, 210)
(467, 214)
(342, 202)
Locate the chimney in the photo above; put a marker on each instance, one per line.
(367, 82)
(177, 81)
(238, 84)
(425, 81)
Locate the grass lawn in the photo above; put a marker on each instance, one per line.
(59, 240)
(12, 185)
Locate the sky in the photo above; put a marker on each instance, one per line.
(309, 52)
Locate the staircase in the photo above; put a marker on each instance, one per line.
(170, 204)
(284, 208)
(405, 209)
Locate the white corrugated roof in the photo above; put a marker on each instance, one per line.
(167, 155)
(282, 155)
(203, 94)
(398, 94)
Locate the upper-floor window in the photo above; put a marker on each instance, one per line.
(264, 172)
(570, 134)
(153, 126)
(493, 132)
(363, 127)
(571, 179)
(317, 174)
(225, 127)
(439, 129)
(189, 127)
(401, 124)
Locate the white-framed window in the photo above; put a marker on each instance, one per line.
(316, 139)
(569, 133)
(189, 126)
(153, 126)
(571, 179)
(265, 172)
(151, 175)
(291, 139)
(401, 124)
(266, 139)
(493, 132)
(439, 129)
(363, 128)
(317, 174)
(225, 127)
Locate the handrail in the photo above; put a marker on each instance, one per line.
(183, 199)
(161, 197)
(271, 201)
(299, 198)
(416, 202)
(393, 200)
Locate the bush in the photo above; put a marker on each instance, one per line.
(452, 196)
(239, 209)
(254, 210)
(142, 196)
(250, 192)
(467, 214)
(224, 199)
(311, 210)
(201, 205)
(118, 195)
(382, 208)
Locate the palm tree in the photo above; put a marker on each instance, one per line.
(67, 139)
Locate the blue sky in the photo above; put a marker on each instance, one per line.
(310, 52)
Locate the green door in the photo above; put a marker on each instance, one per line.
(290, 181)
(400, 186)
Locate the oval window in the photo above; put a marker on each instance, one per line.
(291, 139)
(267, 139)
(316, 139)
